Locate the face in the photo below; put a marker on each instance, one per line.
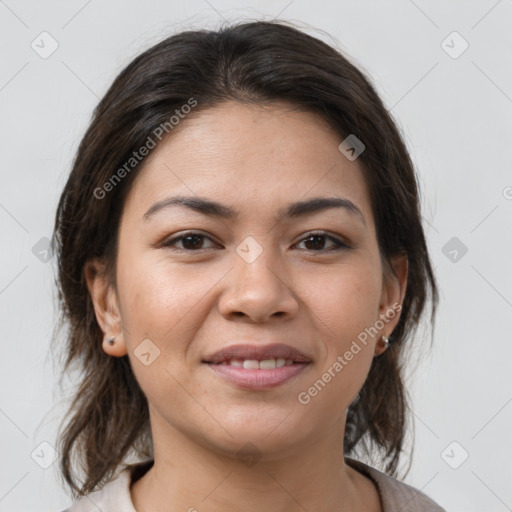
(190, 282)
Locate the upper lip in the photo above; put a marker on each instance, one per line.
(257, 352)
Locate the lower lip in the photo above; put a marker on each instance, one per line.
(257, 379)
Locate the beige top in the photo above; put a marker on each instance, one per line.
(396, 496)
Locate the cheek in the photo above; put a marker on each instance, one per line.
(345, 305)
(346, 299)
(157, 297)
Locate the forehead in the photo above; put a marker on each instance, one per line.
(252, 158)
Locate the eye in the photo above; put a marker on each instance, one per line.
(191, 241)
(194, 241)
(317, 240)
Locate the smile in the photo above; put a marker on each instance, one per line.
(255, 375)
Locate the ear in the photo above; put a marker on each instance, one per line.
(393, 292)
(106, 306)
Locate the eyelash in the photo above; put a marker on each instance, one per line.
(339, 245)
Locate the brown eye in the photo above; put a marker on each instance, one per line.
(316, 242)
(191, 241)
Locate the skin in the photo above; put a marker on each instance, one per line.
(255, 160)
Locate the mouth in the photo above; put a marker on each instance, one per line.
(255, 364)
(277, 353)
(257, 367)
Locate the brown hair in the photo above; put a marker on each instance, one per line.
(257, 62)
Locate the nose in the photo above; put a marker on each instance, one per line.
(258, 291)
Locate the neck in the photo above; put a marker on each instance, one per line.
(187, 476)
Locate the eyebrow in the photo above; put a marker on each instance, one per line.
(293, 210)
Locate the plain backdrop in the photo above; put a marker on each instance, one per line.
(445, 71)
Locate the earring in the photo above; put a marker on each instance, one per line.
(385, 340)
(110, 340)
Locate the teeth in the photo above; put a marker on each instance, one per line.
(268, 364)
(253, 364)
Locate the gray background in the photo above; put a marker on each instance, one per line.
(456, 114)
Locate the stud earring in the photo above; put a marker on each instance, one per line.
(385, 342)
(110, 340)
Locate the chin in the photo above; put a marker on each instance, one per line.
(267, 438)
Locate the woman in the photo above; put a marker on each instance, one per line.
(242, 265)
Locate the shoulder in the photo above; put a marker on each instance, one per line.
(396, 495)
(114, 496)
